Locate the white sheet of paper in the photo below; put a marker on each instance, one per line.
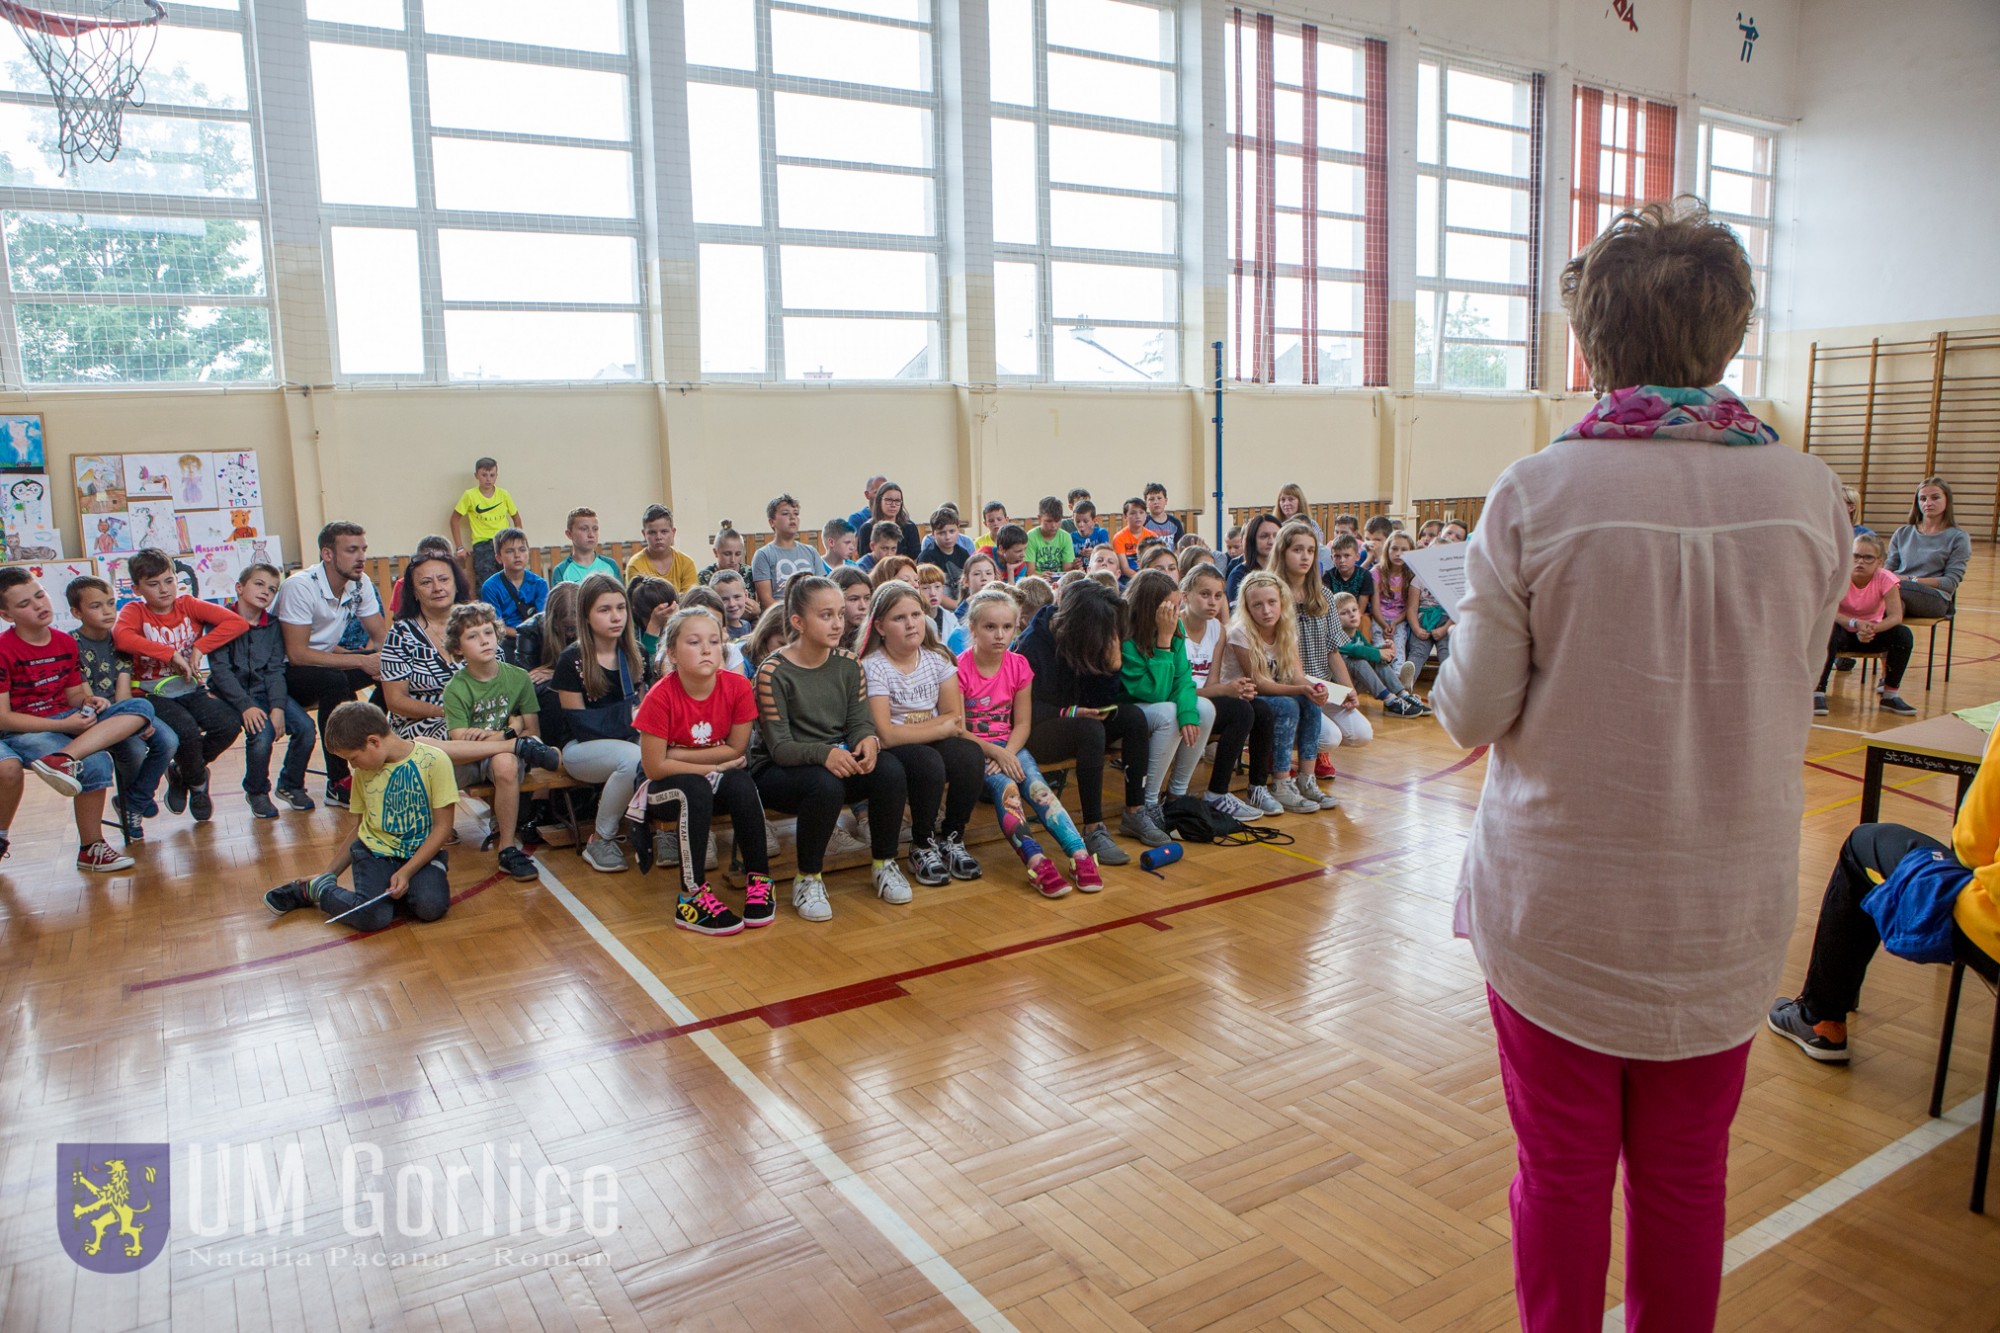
(1442, 569)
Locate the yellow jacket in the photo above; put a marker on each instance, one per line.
(1975, 838)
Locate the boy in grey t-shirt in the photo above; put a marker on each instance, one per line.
(783, 557)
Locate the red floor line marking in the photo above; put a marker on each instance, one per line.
(245, 966)
(1886, 789)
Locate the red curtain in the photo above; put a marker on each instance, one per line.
(1624, 156)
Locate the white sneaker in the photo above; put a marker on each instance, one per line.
(844, 844)
(605, 855)
(890, 886)
(1286, 793)
(1406, 671)
(1261, 798)
(666, 848)
(809, 899)
(1311, 791)
(1226, 803)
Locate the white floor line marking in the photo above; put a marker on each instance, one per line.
(1810, 1207)
(789, 1124)
(1845, 731)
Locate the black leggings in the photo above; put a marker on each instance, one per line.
(816, 795)
(325, 689)
(1845, 940)
(691, 802)
(950, 773)
(206, 727)
(1238, 721)
(1898, 643)
(1084, 739)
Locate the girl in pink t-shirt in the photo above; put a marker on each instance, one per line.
(1870, 620)
(998, 688)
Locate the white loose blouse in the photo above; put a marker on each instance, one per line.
(1643, 624)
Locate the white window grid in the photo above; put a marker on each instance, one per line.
(1435, 290)
(1746, 374)
(772, 238)
(427, 219)
(1044, 254)
(251, 209)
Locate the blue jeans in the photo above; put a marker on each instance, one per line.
(142, 760)
(298, 749)
(94, 772)
(1293, 717)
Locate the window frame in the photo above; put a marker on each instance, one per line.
(1650, 161)
(1706, 122)
(1043, 254)
(427, 219)
(773, 238)
(255, 208)
(1534, 182)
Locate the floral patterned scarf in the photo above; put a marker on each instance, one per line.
(1649, 411)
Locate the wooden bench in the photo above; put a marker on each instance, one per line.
(1322, 514)
(1459, 509)
(538, 782)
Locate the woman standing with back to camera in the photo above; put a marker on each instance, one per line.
(1632, 875)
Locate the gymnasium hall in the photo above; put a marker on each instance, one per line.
(775, 665)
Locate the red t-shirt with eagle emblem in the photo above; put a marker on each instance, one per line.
(696, 724)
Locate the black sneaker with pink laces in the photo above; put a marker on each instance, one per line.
(760, 903)
(704, 914)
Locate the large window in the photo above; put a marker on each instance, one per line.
(1086, 165)
(150, 267)
(814, 138)
(1479, 206)
(1306, 207)
(479, 189)
(1624, 156)
(1737, 166)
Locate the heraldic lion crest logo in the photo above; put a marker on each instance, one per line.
(113, 1203)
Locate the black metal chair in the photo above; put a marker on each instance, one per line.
(1967, 954)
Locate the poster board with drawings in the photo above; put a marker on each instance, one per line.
(210, 575)
(178, 502)
(55, 577)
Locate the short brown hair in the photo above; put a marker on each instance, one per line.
(352, 724)
(463, 617)
(1662, 296)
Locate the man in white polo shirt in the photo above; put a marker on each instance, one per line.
(333, 627)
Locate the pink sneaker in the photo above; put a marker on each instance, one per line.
(1087, 878)
(1049, 881)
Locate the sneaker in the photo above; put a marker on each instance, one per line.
(1286, 793)
(1322, 767)
(295, 798)
(605, 855)
(337, 793)
(128, 821)
(1844, 664)
(1825, 1042)
(1397, 706)
(1896, 703)
(1418, 708)
(287, 897)
(1406, 671)
(99, 858)
(809, 898)
(843, 845)
(535, 753)
(1144, 824)
(1265, 802)
(177, 793)
(1049, 881)
(260, 805)
(1099, 845)
(3, 846)
(1819, 704)
(1309, 789)
(666, 847)
(1226, 803)
(890, 886)
(199, 803)
(59, 771)
(705, 914)
(517, 863)
(927, 863)
(1084, 868)
(759, 908)
(961, 863)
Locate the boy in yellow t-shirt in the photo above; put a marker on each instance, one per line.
(403, 794)
(658, 559)
(485, 509)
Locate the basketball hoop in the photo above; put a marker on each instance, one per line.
(93, 53)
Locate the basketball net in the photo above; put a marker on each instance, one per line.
(93, 57)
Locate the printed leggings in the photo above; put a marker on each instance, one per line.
(1008, 796)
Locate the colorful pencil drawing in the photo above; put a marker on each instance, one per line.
(21, 443)
(115, 569)
(25, 503)
(107, 533)
(205, 529)
(152, 524)
(149, 477)
(100, 484)
(236, 484)
(194, 482)
(265, 550)
(246, 523)
(34, 544)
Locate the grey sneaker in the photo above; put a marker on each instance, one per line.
(961, 863)
(1104, 849)
(1406, 671)
(666, 847)
(1261, 798)
(1825, 1042)
(1286, 792)
(890, 886)
(842, 845)
(809, 899)
(927, 864)
(260, 805)
(605, 855)
(1309, 789)
(1226, 803)
(1144, 824)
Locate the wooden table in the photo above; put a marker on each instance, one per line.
(1947, 744)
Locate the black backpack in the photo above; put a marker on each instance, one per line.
(1190, 819)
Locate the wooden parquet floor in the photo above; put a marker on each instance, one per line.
(1256, 1092)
